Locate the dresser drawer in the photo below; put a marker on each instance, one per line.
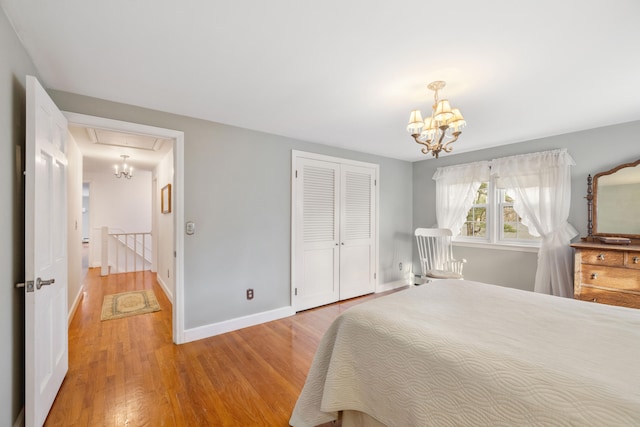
(599, 257)
(633, 260)
(609, 297)
(610, 277)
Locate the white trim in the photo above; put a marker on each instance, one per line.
(178, 195)
(496, 246)
(389, 286)
(20, 420)
(74, 306)
(214, 329)
(295, 155)
(322, 157)
(165, 288)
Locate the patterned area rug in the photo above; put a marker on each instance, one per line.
(126, 304)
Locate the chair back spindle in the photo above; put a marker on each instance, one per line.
(436, 254)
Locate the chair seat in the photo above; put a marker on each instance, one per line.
(443, 274)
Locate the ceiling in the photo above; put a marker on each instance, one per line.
(346, 73)
(102, 149)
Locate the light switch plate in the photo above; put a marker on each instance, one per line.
(191, 227)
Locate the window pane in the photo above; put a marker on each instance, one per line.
(476, 220)
(479, 223)
(481, 196)
(512, 227)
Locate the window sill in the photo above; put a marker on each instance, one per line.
(497, 246)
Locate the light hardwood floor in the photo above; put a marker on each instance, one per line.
(128, 372)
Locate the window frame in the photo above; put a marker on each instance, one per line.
(495, 223)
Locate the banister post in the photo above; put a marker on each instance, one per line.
(104, 244)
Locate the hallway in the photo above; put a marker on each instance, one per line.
(128, 372)
(110, 362)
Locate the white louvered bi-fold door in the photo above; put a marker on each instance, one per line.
(334, 233)
(356, 231)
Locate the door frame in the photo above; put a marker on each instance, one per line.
(295, 155)
(177, 196)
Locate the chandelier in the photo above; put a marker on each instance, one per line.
(125, 171)
(441, 129)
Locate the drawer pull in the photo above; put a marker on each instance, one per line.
(636, 259)
(601, 257)
(595, 300)
(594, 275)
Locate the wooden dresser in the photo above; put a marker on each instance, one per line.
(608, 274)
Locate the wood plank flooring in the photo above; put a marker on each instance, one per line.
(128, 372)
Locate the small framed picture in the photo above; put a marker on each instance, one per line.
(165, 199)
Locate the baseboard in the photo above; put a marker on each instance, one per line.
(165, 288)
(238, 323)
(20, 420)
(74, 306)
(392, 285)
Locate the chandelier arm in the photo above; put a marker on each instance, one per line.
(426, 143)
(447, 146)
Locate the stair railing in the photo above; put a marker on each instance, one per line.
(124, 252)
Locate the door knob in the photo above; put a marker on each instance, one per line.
(40, 283)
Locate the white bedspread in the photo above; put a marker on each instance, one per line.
(460, 353)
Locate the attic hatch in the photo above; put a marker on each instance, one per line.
(119, 139)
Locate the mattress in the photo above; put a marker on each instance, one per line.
(471, 354)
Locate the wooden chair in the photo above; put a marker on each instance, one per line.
(436, 255)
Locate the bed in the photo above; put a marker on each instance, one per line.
(462, 353)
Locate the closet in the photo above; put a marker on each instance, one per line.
(334, 229)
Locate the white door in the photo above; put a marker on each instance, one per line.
(334, 229)
(316, 280)
(46, 345)
(357, 220)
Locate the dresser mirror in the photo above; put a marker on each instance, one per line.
(616, 202)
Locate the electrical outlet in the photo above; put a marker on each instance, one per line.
(400, 266)
(249, 293)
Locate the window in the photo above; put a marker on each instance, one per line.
(493, 219)
(475, 224)
(511, 226)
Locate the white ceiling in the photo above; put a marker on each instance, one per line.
(102, 149)
(347, 72)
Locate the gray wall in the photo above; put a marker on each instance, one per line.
(237, 189)
(14, 65)
(238, 192)
(594, 150)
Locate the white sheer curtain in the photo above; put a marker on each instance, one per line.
(541, 183)
(456, 187)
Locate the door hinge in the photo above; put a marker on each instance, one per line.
(296, 173)
(175, 254)
(295, 291)
(375, 275)
(375, 182)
